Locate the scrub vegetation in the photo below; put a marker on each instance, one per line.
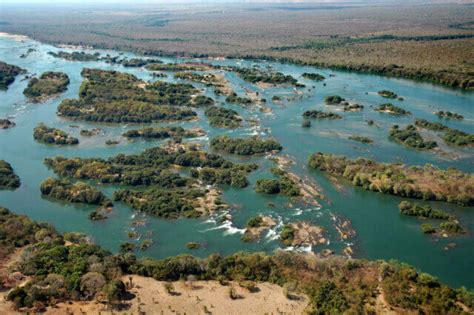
(70, 268)
(48, 85)
(49, 135)
(8, 178)
(8, 74)
(245, 146)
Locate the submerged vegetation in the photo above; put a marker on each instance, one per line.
(410, 137)
(220, 117)
(48, 135)
(428, 182)
(317, 114)
(63, 189)
(245, 146)
(8, 73)
(48, 85)
(111, 96)
(8, 178)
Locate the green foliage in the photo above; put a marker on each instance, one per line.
(255, 222)
(234, 99)
(63, 189)
(392, 109)
(287, 235)
(452, 226)
(111, 96)
(422, 211)
(167, 203)
(316, 114)
(193, 245)
(449, 115)
(49, 84)
(49, 135)
(313, 76)
(75, 55)
(361, 139)
(255, 75)
(163, 133)
(8, 73)
(427, 228)
(387, 94)
(244, 146)
(139, 62)
(428, 182)
(333, 99)
(8, 178)
(353, 108)
(220, 117)
(283, 185)
(329, 299)
(177, 67)
(451, 136)
(410, 137)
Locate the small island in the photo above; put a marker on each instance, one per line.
(75, 55)
(116, 97)
(256, 226)
(316, 114)
(451, 136)
(8, 178)
(245, 146)
(449, 115)
(283, 185)
(387, 94)
(220, 117)
(234, 99)
(361, 139)
(391, 109)
(138, 62)
(8, 74)
(6, 124)
(79, 192)
(421, 182)
(313, 76)
(410, 137)
(49, 84)
(164, 132)
(353, 108)
(333, 100)
(302, 234)
(48, 135)
(258, 76)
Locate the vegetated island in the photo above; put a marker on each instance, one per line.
(258, 76)
(450, 226)
(450, 136)
(8, 178)
(313, 76)
(245, 146)
(387, 94)
(170, 195)
(65, 269)
(48, 85)
(410, 137)
(8, 74)
(353, 107)
(256, 226)
(361, 139)
(175, 132)
(220, 117)
(427, 182)
(283, 185)
(111, 96)
(333, 100)
(75, 55)
(449, 115)
(391, 109)
(79, 192)
(179, 67)
(317, 114)
(49, 135)
(6, 124)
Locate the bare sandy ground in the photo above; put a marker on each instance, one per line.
(200, 297)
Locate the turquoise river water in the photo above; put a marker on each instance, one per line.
(382, 233)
